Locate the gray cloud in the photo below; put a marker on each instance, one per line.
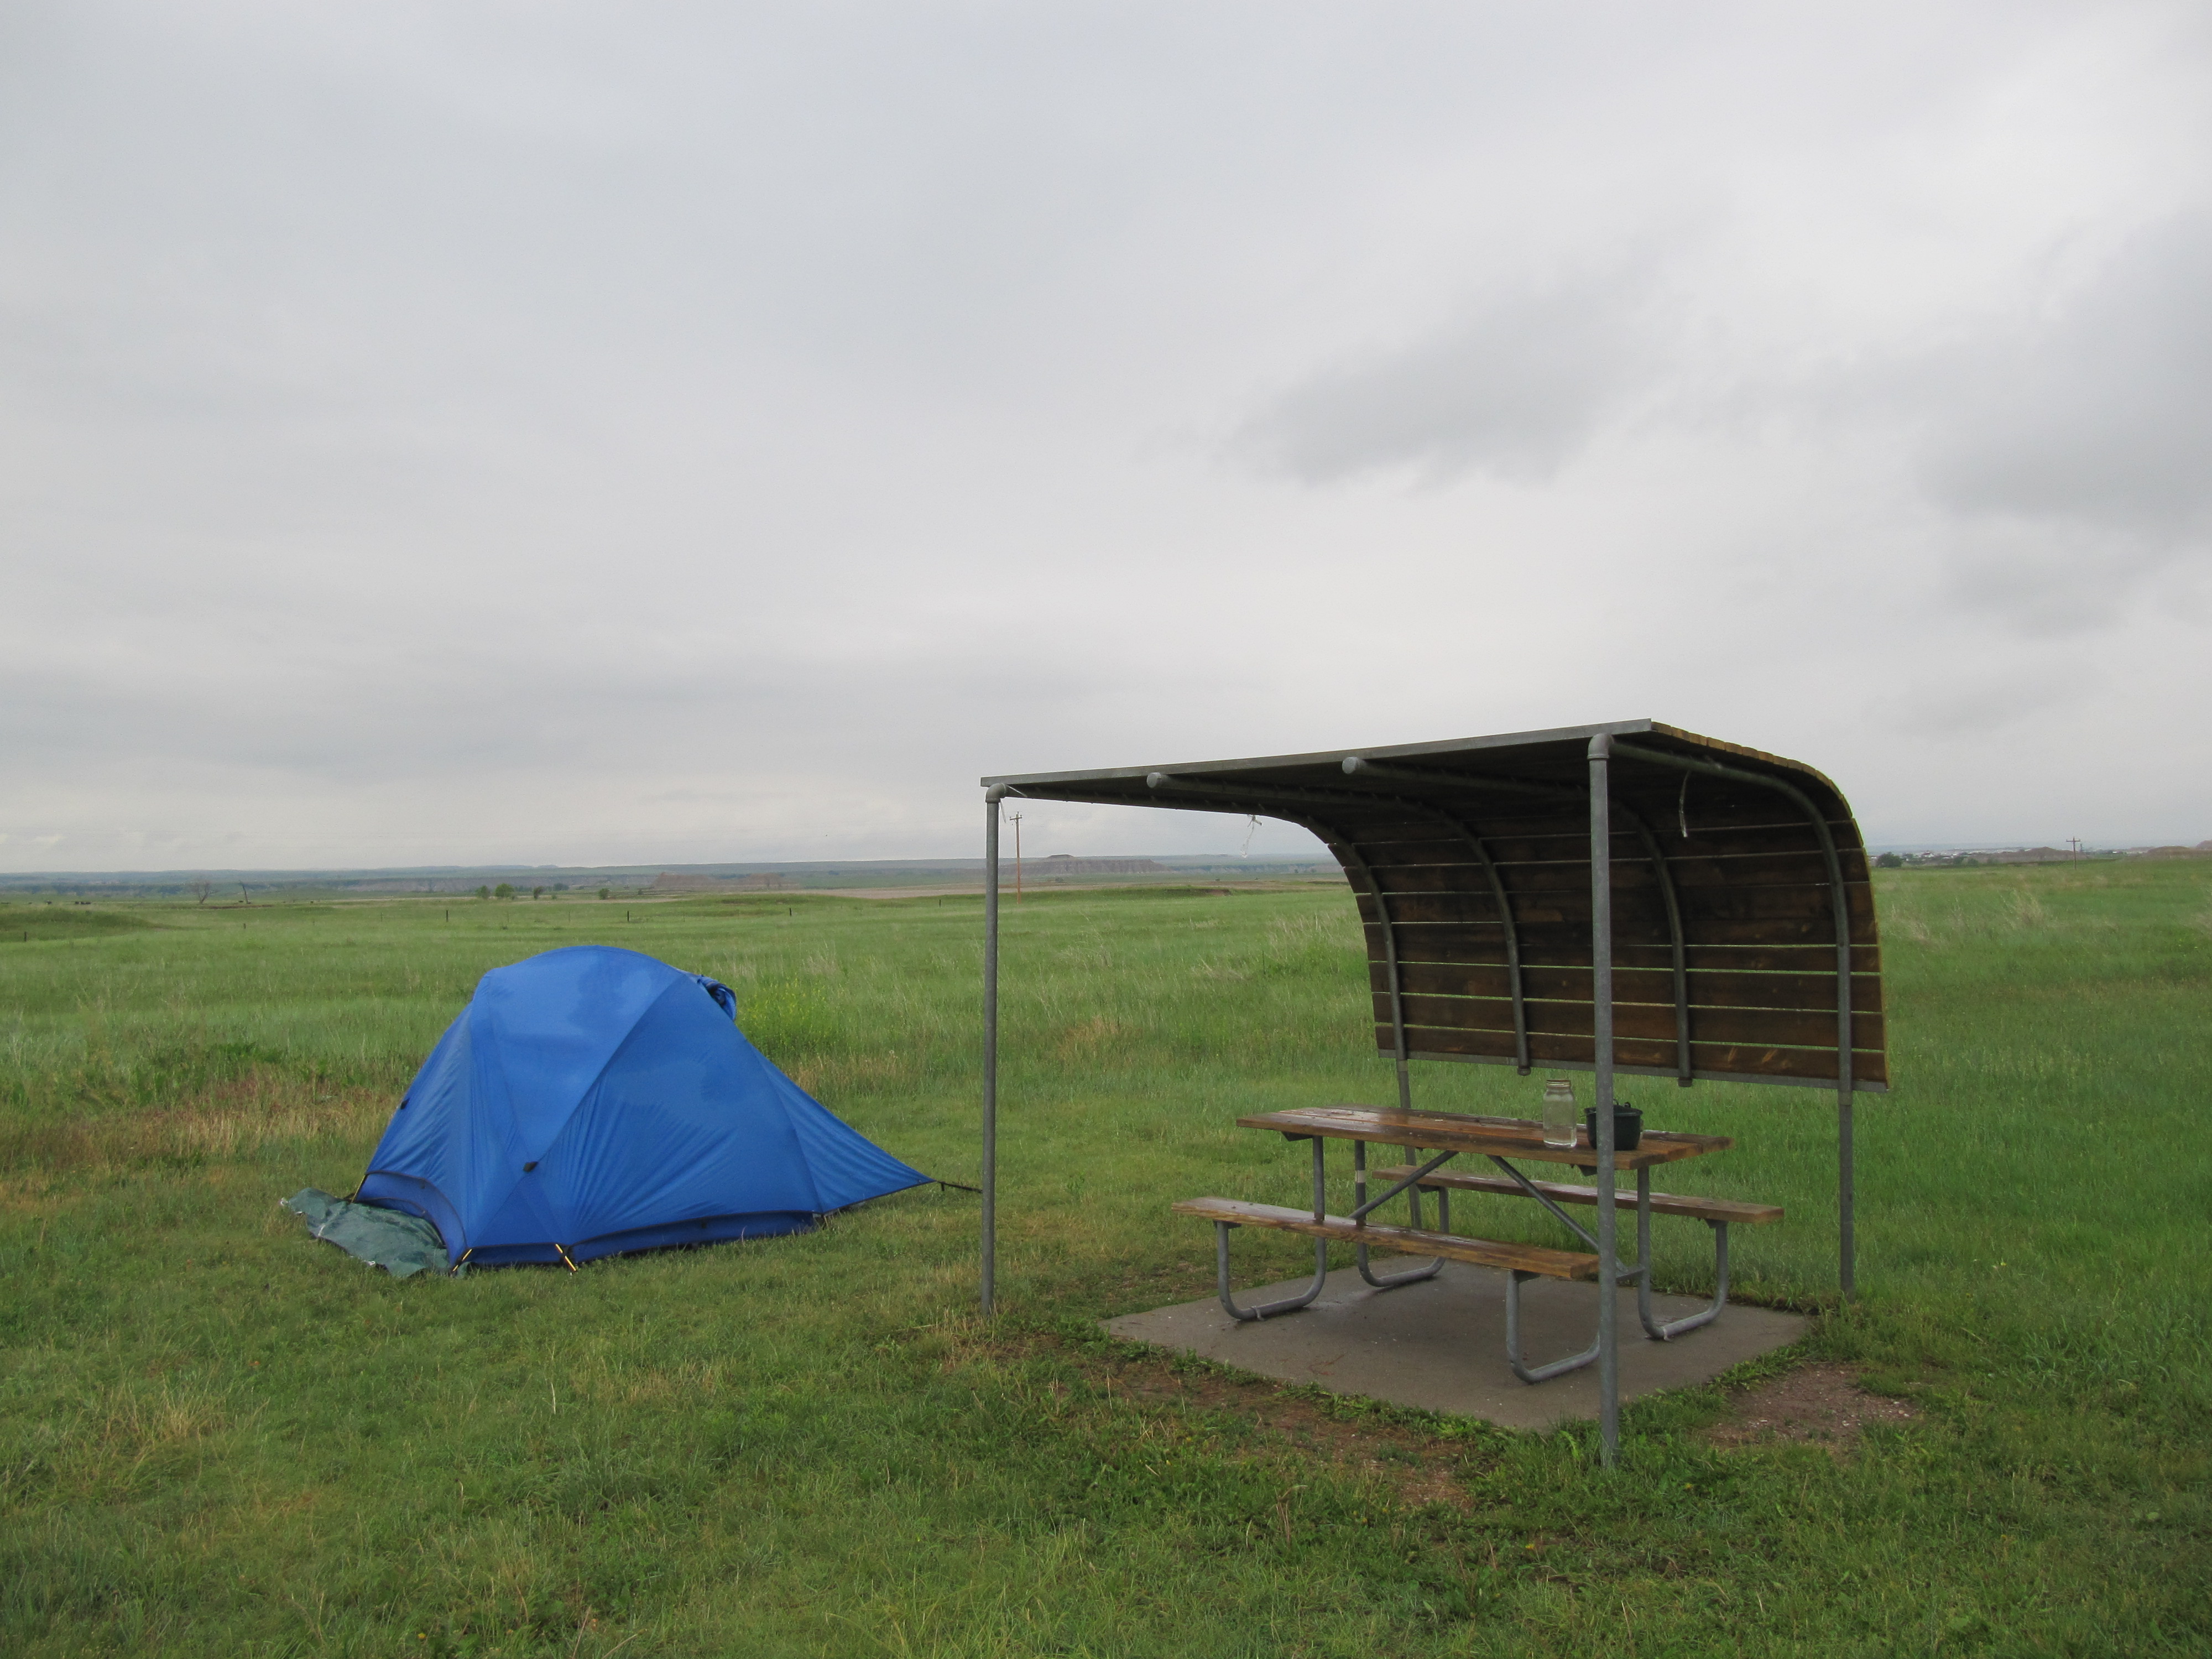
(2073, 455)
(2100, 415)
(1946, 703)
(1513, 389)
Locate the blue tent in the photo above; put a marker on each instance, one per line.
(591, 1101)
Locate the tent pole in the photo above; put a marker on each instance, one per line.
(991, 800)
(1608, 1261)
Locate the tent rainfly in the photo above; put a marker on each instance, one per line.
(1622, 898)
(593, 1101)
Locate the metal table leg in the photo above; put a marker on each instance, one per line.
(1411, 1186)
(1535, 1373)
(1652, 1329)
(1641, 1273)
(1529, 1187)
(1288, 1303)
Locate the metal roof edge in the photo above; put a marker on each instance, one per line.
(1390, 751)
(1742, 752)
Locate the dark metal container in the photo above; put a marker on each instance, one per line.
(1627, 1126)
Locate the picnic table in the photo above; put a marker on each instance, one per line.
(1507, 1143)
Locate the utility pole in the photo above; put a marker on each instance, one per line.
(2076, 842)
(1015, 818)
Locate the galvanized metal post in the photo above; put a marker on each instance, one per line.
(1609, 1333)
(1847, 1243)
(991, 799)
(1845, 1196)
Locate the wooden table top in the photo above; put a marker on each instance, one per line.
(1495, 1137)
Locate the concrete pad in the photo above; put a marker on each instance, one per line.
(1440, 1344)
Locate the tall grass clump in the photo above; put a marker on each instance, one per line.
(790, 1017)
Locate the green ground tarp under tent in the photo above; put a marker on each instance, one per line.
(403, 1245)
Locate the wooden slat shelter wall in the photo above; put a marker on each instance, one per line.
(1749, 879)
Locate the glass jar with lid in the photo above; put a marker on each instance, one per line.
(1560, 1115)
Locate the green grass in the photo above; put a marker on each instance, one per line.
(67, 919)
(217, 1437)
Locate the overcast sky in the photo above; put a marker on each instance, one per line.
(642, 432)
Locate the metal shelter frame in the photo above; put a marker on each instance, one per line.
(1555, 898)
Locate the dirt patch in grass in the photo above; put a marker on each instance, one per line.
(1817, 1405)
(1421, 1468)
(1304, 1422)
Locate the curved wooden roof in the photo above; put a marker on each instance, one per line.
(1471, 862)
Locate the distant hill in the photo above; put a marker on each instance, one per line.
(462, 881)
(1061, 865)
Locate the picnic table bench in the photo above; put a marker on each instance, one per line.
(1504, 1142)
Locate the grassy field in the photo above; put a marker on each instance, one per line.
(217, 1437)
